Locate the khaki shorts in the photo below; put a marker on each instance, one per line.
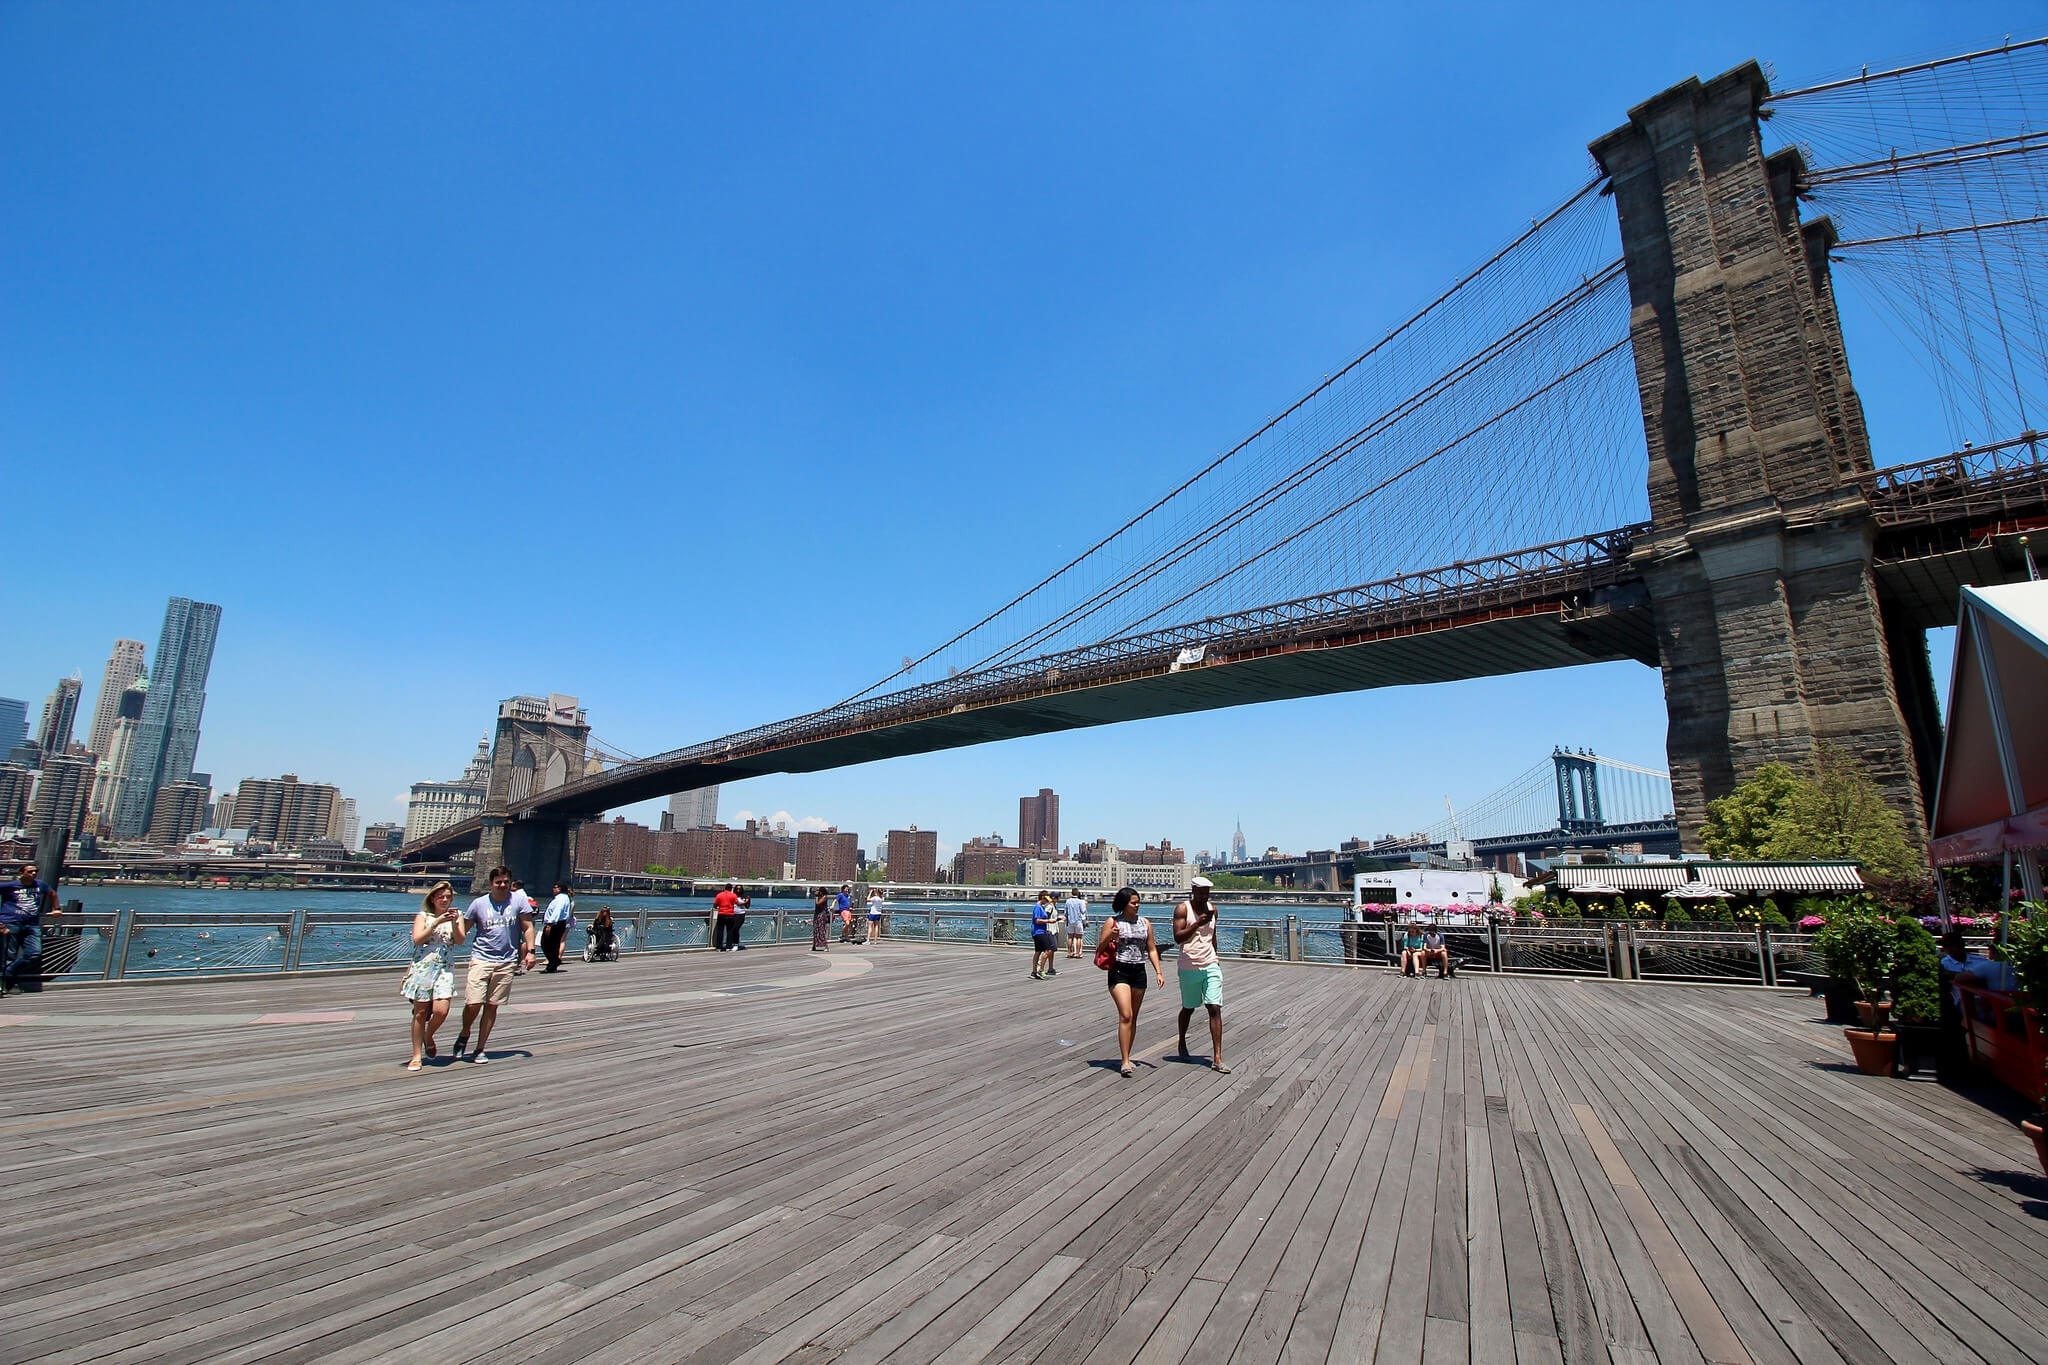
(490, 983)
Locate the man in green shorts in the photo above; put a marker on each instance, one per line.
(1201, 974)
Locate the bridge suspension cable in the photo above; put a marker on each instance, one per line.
(1935, 176)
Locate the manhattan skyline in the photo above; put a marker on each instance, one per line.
(307, 311)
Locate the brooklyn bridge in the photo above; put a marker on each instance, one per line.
(1630, 434)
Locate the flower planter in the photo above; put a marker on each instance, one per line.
(2005, 1039)
(1920, 1047)
(1876, 1053)
(2040, 1137)
(1872, 1014)
(1840, 995)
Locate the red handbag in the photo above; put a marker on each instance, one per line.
(1105, 952)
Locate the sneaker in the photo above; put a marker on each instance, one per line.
(1035, 976)
(1052, 971)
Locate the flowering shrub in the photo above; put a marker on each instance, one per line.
(1809, 923)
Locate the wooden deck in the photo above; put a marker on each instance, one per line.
(923, 1155)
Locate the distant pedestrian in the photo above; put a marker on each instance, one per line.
(503, 945)
(1128, 935)
(556, 922)
(740, 907)
(725, 934)
(430, 982)
(1201, 972)
(843, 903)
(875, 908)
(23, 903)
(602, 944)
(821, 920)
(1043, 944)
(1074, 924)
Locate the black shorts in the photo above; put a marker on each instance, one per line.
(1130, 974)
(1043, 943)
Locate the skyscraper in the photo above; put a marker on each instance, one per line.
(13, 723)
(168, 737)
(124, 666)
(111, 779)
(61, 792)
(342, 829)
(694, 810)
(181, 811)
(1038, 821)
(284, 810)
(60, 716)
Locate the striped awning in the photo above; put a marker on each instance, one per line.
(1623, 876)
(1750, 877)
(1782, 876)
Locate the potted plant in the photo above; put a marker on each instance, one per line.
(1861, 948)
(2027, 950)
(1916, 995)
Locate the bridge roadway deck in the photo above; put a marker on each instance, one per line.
(920, 1154)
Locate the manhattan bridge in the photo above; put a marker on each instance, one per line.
(1656, 369)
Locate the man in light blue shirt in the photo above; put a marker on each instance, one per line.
(502, 939)
(555, 923)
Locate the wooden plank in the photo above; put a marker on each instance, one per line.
(1476, 1169)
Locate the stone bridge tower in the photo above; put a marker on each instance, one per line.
(1759, 564)
(540, 743)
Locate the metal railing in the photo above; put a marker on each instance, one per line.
(130, 944)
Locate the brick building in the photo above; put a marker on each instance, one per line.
(990, 857)
(1038, 821)
(913, 855)
(1103, 851)
(827, 856)
(619, 846)
(384, 837)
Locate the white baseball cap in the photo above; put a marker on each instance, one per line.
(1203, 882)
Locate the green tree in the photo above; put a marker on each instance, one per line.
(1230, 881)
(1832, 810)
(1742, 824)
(1837, 811)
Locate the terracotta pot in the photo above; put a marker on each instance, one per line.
(2040, 1137)
(1872, 1013)
(1876, 1053)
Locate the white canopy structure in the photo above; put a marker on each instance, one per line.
(1992, 800)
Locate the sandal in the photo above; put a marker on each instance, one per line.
(1219, 1068)
(478, 1059)
(1129, 1072)
(432, 1051)
(412, 1066)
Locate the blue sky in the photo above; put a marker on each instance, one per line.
(705, 361)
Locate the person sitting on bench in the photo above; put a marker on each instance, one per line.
(1411, 950)
(1433, 950)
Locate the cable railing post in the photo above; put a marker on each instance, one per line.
(1767, 968)
(639, 930)
(295, 939)
(117, 946)
(1492, 946)
(1294, 938)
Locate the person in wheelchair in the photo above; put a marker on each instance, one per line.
(603, 943)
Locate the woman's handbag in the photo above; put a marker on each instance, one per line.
(1105, 952)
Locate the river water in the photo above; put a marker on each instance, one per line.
(175, 932)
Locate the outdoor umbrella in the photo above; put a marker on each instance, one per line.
(1595, 889)
(1700, 891)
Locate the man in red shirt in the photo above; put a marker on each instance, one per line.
(725, 918)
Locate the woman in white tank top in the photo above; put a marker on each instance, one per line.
(1131, 934)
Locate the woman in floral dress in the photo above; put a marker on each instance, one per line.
(430, 981)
